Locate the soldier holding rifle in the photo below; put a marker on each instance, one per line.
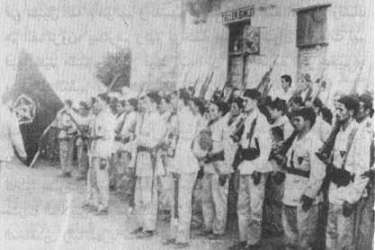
(364, 214)
(149, 132)
(216, 175)
(304, 178)
(83, 119)
(255, 147)
(65, 137)
(101, 137)
(349, 159)
(184, 171)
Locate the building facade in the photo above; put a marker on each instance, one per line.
(237, 41)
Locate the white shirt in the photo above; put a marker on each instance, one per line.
(65, 124)
(285, 124)
(188, 127)
(357, 162)
(278, 92)
(301, 155)
(149, 133)
(321, 129)
(262, 133)
(103, 125)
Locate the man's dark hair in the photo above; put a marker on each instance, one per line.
(84, 105)
(279, 105)
(368, 102)
(326, 114)
(297, 100)
(252, 93)
(238, 101)
(154, 97)
(184, 95)
(307, 114)
(104, 97)
(200, 104)
(350, 103)
(192, 90)
(222, 106)
(287, 78)
(318, 103)
(167, 98)
(68, 102)
(133, 102)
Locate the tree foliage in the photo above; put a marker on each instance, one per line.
(115, 66)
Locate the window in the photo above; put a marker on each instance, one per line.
(312, 26)
(237, 52)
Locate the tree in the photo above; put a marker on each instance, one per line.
(114, 70)
(201, 8)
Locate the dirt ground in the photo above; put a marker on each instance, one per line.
(39, 210)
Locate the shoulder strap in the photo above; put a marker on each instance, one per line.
(122, 123)
(349, 145)
(252, 128)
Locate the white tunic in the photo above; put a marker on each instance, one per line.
(230, 147)
(321, 129)
(149, 133)
(262, 133)
(301, 156)
(188, 126)
(357, 162)
(104, 126)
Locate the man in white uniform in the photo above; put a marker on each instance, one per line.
(184, 172)
(255, 147)
(284, 90)
(216, 176)
(149, 132)
(102, 137)
(350, 160)
(364, 227)
(65, 137)
(304, 178)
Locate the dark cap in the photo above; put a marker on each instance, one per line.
(367, 100)
(154, 97)
(306, 113)
(252, 93)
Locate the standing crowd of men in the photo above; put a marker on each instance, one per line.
(281, 163)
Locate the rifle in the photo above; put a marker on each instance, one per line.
(195, 84)
(113, 82)
(36, 156)
(320, 80)
(264, 82)
(356, 79)
(120, 126)
(176, 179)
(325, 151)
(206, 83)
(339, 176)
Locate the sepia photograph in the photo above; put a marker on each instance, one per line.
(187, 124)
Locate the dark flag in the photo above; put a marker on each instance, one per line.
(34, 102)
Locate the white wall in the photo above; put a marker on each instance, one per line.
(349, 31)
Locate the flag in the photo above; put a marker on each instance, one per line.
(33, 101)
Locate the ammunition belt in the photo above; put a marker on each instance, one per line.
(250, 153)
(219, 156)
(144, 149)
(340, 177)
(296, 171)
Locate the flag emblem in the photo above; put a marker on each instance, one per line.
(25, 109)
